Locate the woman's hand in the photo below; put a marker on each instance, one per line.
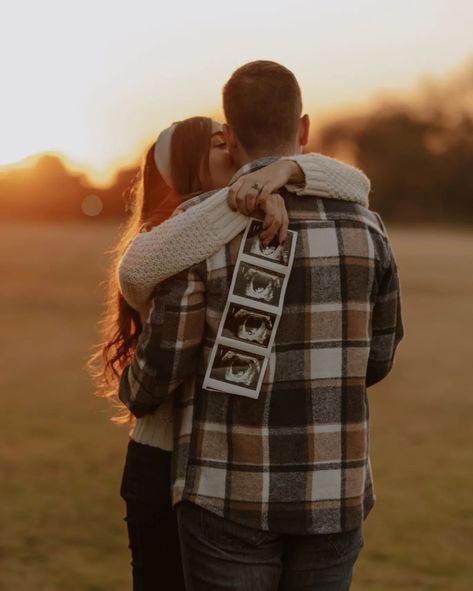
(275, 218)
(243, 192)
(255, 191)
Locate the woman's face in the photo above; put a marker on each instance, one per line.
(221, 166)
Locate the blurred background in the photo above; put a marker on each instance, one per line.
(86, 88)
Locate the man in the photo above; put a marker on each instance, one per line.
(272, 493)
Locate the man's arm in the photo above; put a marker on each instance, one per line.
(170, 344)
(387, 328)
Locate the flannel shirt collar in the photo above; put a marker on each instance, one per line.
(251, 166)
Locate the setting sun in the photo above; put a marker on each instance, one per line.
(96, 81)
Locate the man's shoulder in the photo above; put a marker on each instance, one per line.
(337, 209)
(307, 208)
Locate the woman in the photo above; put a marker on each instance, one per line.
(188, 158)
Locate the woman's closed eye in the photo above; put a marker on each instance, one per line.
(218, 141)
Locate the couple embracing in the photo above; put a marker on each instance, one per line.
(223, 490)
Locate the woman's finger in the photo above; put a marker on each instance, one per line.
(251, 199)
(273, 219)
(262, 199)
(269, 186)
(240, 199)
(285, 222)
(265, 189)
(272, 230)
(232, 195)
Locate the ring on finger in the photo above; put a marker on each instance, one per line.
(256, 187)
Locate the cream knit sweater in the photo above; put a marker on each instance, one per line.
(197, 233)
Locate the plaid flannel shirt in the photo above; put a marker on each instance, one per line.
(296, 460)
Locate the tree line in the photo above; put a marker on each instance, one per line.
(419, 157)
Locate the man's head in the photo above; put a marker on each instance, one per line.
(263, 106)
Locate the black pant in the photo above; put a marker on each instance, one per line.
(152, 524)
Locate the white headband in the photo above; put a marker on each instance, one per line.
(162, 154)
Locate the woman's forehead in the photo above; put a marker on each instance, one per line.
(216, 127)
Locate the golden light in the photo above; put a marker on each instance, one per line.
(92, 205)
(96, 81)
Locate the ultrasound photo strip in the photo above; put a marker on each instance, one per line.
(252, 313)
(248, 325)
(273, 255)
(235, 371)
(258, 284)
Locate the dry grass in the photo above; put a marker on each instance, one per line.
(61, 460)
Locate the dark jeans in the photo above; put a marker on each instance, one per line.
(152, 524)
(221, 555)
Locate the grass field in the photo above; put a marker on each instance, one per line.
(61, 459)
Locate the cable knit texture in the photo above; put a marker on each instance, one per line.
(327, 177)
(176, 244)
(197, 233)
(155, 429)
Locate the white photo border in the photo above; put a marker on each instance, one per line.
(211, 383)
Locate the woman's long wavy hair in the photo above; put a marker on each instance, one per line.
(152, 202)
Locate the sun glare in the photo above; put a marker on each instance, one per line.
(96, 82)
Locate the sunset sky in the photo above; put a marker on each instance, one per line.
(97, 80)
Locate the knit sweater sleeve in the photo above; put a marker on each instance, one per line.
(327, 177)
(178, 243)
(201, 230)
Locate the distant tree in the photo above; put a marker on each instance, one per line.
(417, 153)
(48, 190)
(421, 168)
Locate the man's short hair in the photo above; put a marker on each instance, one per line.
(262, 103)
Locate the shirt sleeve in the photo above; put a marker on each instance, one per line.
(181, 241)
(206, 223)
(387, 326)
(328, 177)
(169, 345)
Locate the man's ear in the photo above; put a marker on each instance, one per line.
(304, 128)
(229, 137)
